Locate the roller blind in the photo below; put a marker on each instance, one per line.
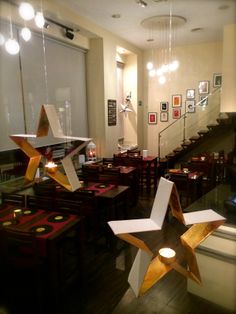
(51, 72)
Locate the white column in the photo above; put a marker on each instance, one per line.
(228, 98)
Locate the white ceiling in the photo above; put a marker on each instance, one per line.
(209, 15)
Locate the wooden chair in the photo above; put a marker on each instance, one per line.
(40, 202)
(13, 199)
(90, 173)
(22, 268)
(83, 205)
(183, 186)
(110, 175)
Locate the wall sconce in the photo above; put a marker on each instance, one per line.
(91, 152)
(51, 167)
(69, 33)
(142, 3)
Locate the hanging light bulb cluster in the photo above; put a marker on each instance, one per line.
(164, 69)
(27, 13)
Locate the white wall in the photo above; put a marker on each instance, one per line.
(197, 63)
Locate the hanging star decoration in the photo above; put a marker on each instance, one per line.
(125, 108)
(49, 118)
(147, 269)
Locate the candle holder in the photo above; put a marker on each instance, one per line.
(51, 167)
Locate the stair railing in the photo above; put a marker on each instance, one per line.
(205, 112)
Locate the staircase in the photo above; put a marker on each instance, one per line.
(193, 128)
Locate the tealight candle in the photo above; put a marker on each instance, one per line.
(51, 167)
(167, 255)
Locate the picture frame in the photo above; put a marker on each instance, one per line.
(164, 105)
(203, 87)
(190, 106)
(176, 113)
(190, 93)
(217, 79)
(176, 100)
(164, 116)
(203, 100)
(152, 117)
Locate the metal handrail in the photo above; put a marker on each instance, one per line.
(183, 116)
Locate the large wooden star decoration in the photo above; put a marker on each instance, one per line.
(49, 118)
(147, 269)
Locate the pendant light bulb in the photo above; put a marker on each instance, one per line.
(26, 33)
(149, 65)
(39, 19)
(174, 65)
(162, 79)
(152, 72)
(159, 72)
(12, 46)
(26, 11)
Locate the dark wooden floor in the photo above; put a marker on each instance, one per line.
(105, 289)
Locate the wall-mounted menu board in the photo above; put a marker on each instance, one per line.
(111, 112)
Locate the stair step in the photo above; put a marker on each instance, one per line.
(186, 144)
(203, 132)
(212, 126)
(170, 155)
(194, 138)
(178, 149)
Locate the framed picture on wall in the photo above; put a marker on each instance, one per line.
(176, 100)
(217, 80)
(190, 93)
(190, 106)
(152, 117)
(203, 100)
(176, 113)
(164, 116)
(203, 87)
(164, 105)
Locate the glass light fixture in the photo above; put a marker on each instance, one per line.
(149, 65)
(12, 46)
(162, 79)
(152, 72)
(26, 33)
(26, 11)
(39, 19)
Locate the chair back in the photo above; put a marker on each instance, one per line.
(13, 199)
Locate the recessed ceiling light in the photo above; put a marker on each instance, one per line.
(116, 16)
(197, 29)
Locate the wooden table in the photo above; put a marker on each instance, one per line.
(51, 228)
(188, 183)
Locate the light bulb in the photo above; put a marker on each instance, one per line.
(12, 46)
(162, 79)
(26, 11)
(165, 68)
(2, 39)
(159, 72)
(152, 73)
(174, 65)
(39, 19)
(149, 66)
(26, 33)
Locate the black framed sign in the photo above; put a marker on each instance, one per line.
(111, 112)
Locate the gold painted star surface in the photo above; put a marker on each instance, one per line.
(49, 119)
(147, 269)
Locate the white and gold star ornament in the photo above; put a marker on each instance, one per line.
(147, 269)
(49, 118)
